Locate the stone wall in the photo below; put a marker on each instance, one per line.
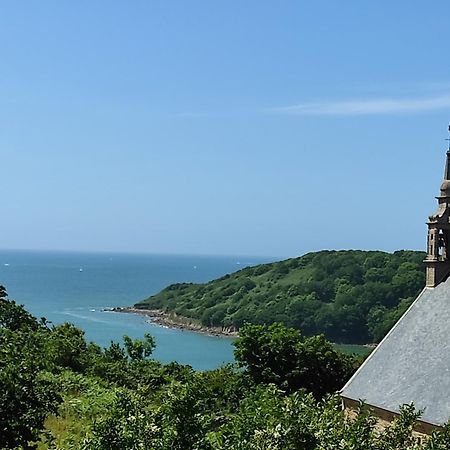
(384, 418)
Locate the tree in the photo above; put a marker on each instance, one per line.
(115, 352)
(67, 348)
(282, 356)
(138, 349)
(14, 316)
(27, 394)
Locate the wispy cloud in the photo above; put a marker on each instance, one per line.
(362, 107)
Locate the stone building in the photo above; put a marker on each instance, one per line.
(412, 363)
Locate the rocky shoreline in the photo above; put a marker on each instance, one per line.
(167, 320)
(173, 321)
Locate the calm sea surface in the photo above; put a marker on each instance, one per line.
(75, 287)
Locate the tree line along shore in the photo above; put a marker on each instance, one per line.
(352, 296)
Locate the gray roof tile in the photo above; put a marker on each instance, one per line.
(412, 363)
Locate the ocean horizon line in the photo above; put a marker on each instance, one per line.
(147, 253)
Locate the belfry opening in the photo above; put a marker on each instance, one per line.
(437, 260)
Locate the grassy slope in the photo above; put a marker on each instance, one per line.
(351, 296)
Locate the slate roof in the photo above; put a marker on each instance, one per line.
(412, 363)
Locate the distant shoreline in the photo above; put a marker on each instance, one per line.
(164, 319)
(181, 323)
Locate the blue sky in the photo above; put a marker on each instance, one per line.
(251, 128)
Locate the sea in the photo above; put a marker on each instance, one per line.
(79, 288)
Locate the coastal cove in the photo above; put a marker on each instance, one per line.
(165, 320)
(51, 285)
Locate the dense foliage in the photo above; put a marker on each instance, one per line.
(349, 296)
(27, 396)
(59, 392)
(282, 356)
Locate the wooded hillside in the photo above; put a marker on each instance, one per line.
(350, 296)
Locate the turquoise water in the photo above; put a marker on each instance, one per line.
(354, 349)
(51, 285)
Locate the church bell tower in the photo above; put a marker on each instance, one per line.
(438, 244)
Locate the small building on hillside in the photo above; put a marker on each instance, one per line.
(412, 363)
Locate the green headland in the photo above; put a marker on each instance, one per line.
(352, 296)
